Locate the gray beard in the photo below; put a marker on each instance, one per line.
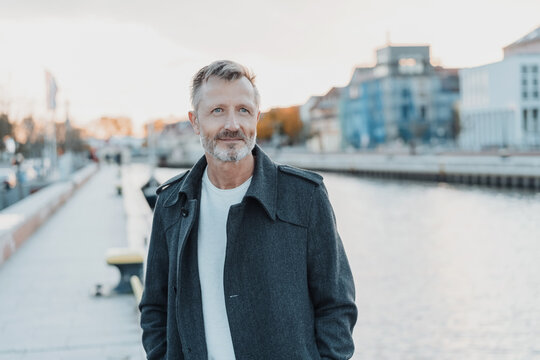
(231, 153)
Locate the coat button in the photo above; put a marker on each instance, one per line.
(184, 212)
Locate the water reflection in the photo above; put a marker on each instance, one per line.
(441, 272)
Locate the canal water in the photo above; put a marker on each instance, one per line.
(441, 272)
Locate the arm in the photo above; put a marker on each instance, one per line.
(153, 304)
(330, 280)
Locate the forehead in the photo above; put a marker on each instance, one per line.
(221, 91)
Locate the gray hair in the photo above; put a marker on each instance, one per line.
(222, 69)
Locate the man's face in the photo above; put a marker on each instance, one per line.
(226, 118)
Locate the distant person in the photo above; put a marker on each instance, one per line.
(245, 261)
(118, 159)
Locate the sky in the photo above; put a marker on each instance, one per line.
(136, 58)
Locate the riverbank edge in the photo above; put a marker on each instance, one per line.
(22, 219)
(520, 172)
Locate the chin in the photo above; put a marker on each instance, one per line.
(227, 152)
(230, 155)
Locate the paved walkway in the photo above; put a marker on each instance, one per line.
(46, 307)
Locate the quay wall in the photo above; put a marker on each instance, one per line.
(19, 221)
(511, 171)
(488, 170)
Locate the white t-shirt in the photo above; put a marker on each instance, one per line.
(212, 244)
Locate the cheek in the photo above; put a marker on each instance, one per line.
(251, 126)
(208, 130)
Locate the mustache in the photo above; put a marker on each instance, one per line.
(227, 134)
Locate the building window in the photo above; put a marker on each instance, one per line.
(404, 112)
(525, 119)
(410, 66)
(524, 95)
(535, 94)
(524, 82)
(523, 69)
(534, 68)
(422, 112)
(353, 92)
(534, 117)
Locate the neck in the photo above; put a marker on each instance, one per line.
(228, 175)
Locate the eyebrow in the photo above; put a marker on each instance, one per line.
(246, 105)
(224, 105)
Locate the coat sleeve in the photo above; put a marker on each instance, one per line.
(153, 304)
(330, 280)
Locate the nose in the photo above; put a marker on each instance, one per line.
(232, 123)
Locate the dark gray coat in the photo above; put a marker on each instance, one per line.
(289, 290)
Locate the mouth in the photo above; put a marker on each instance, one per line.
(231, 139)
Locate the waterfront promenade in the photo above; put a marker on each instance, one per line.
(47, 310)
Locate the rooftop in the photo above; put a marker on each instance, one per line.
(527, 44)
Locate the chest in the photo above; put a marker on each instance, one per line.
(258, 251)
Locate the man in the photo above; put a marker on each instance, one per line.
(244, 261)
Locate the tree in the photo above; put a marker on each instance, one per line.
(26, 130)
(283, 121)
(68, 138)
(30, 137)
(292, 125)
(456, 122)
(106, 127)
(6, 129)
(265, 126)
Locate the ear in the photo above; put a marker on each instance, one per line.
(194, 122)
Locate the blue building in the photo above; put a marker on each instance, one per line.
(402, 98)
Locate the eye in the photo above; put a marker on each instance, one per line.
(244, 110)
(217, 110)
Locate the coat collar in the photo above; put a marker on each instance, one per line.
(263, 185)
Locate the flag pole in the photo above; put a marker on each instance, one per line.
(51, 105)
(54, 153)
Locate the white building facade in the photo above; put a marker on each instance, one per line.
(500, 102)
(324, 127)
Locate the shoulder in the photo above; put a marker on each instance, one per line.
(306, 175)
(171, 181)
(296, 191)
